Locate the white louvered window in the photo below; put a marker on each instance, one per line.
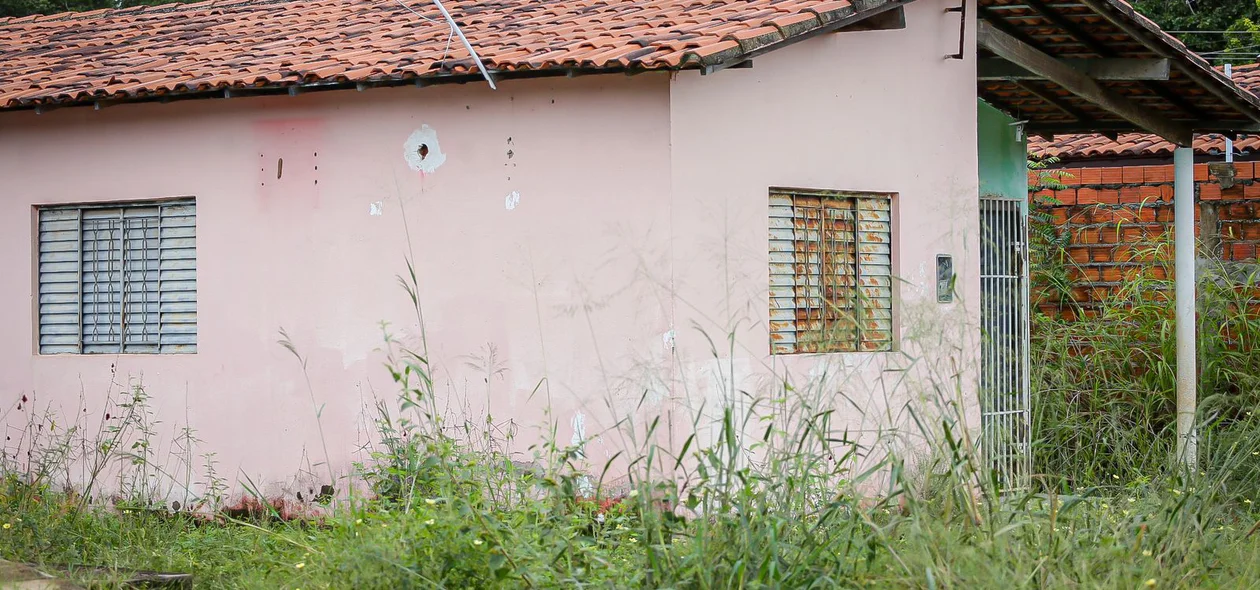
(830, 272)
(118, 278)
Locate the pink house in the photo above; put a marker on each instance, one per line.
(730, 203)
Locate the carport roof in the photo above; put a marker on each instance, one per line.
(1123, 74)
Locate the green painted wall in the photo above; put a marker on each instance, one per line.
(1003, 160)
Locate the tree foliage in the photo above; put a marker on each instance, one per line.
(28, 7)
(1240, 18)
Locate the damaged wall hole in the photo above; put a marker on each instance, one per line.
(422, 151)
(279, 168)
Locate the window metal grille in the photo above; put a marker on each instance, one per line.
(118, 278)
(830, 272)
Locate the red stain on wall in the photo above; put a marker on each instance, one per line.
(287, 162)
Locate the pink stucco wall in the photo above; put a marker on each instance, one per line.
(875, 111)
(641, 222)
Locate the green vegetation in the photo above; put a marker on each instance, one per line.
(1230, 33)
(28, 7)
(450, 518)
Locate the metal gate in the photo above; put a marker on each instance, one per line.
(1005, 418)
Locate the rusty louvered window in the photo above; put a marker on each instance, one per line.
(830, 272)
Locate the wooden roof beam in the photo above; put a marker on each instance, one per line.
(1034, 60)
(1072, 29)
(1098, 69)
(1056, 102)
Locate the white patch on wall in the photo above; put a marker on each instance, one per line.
(579, 432)
(422, 151)
(512, 200)
(376, 209)
(923, 280)
(585, 487)
(667, 340)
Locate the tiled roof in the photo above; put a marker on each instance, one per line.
(175, 50)
(1137, 144)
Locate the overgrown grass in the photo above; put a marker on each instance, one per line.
(1184, 536)
(774, 499)
(1105, 404)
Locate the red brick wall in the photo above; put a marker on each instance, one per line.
(1115, 217)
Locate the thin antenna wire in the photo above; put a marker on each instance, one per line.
(455, 29)
(473, 52)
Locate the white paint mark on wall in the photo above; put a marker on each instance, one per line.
(376, 209)
(511, 200)
(667, 340)
(579, 432)
(422, 151)
(921, 280)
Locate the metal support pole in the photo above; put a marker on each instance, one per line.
(1229, 143)
(1184, 245)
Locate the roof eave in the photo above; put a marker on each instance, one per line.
(860, 11)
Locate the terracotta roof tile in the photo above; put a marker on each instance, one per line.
(1136, 144)
(76, 57)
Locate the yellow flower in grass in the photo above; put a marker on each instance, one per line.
(1150, 583)
(477, 541)
(299, 565)
(7, 526)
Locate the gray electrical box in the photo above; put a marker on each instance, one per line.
(944, 278)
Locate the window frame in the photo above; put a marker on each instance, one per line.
(170, 224)
(870, 250)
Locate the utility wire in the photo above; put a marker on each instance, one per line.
(454, 28)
